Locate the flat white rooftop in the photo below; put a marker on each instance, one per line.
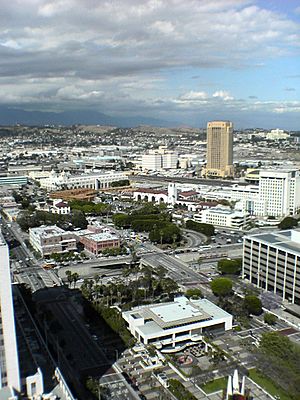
(48, 231)
(177, 311)
(288, 240)
(181, 311)
(102, 236)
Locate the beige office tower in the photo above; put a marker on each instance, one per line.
(219, 149)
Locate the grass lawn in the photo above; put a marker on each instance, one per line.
(214, 386)
(267, 384)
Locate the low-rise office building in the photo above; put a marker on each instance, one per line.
(13, 180)
(51, 239)
(94, 180)
(172, 326)
(97, 242)
(223, 216)
(271, 261)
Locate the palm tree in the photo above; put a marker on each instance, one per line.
(75, 278)
(69, 276)
(174, 237)
(161, 233)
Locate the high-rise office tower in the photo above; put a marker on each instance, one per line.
(219, 149)
(279, 193)
(9, 363)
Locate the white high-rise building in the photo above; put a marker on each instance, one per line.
(152, 161)
(170, 160)
(159, 159)
(279, 193)
(9, 363)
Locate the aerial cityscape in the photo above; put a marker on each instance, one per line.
(150, 200)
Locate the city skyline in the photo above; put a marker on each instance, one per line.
(180, 62)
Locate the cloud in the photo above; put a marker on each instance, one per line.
(252, 97)
(222, 94)
(290, 89)
(118, 56)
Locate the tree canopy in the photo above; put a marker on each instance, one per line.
(279, 359)
(253, 304)
(193, 293)
(288, 223)
(206, 229)
(152, 219)
(232, 267)
(221, 287)
(270, 319)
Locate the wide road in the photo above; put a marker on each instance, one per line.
(26, 269)
(178, 270)
(85, 272)
(194, 239)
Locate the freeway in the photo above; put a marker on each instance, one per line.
(178, 179)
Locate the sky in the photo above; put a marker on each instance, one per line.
(183, 61)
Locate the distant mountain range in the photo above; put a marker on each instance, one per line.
(13, 116)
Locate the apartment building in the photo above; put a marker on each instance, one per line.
(271, 261)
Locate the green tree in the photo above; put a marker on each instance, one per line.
(232, 267)
(270, 319)
(221, 287)
(274, 344)
(288, 223)
(75, 278)
(121, 220)
(253, 304)
(193, 293)
(69, 276)
(78, 219)
(206, 229)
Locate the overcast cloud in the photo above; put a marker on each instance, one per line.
(172, 59)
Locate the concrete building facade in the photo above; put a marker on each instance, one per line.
(159, 159)
(223, 216)
(271, 261)
(9, 362)
(51, 239)
(279, 193)
(98, 242)
(219, 149)
(171, 326)
(95, 180)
